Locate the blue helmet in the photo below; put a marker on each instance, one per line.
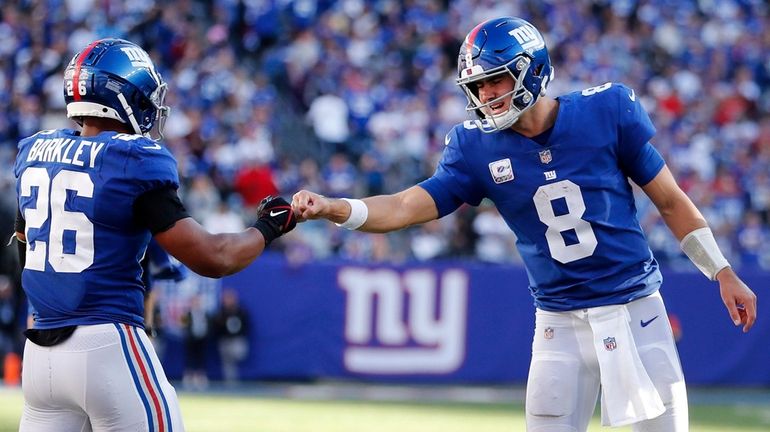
(116, 79)
(504, 45)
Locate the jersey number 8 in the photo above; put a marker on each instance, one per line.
(53, 195)
(572, 220)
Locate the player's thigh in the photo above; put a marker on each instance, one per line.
(657, 348)
(35, 420)
(128, 389)
(563, 383)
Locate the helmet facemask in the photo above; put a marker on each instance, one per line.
(521, 99)
(161, 112)
(152, 113)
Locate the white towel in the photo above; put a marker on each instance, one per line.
(628, 394)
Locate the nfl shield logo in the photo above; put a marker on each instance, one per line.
(610, 344)
(545, 156)
(548, 333)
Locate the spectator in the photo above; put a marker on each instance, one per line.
(253, 182)
(328, 114)
(270, 80)
(197, 325)
(231, 326)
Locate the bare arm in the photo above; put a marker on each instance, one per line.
(211, 255)
(682, 217)
(217, 255)
(676, 208)
(386, 212)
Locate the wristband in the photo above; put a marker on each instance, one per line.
(358, 214)
(269, 231)
(701, 247)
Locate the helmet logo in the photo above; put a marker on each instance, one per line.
(140, 59)
(528, 37)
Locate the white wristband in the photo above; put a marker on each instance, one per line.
(358, 214)
(701, 247)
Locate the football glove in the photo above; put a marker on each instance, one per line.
(275, 218)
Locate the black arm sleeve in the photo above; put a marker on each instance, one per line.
(21, 247)
(159, 209)
(20, 224)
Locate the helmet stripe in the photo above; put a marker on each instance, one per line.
(471, 39)
(76, 74)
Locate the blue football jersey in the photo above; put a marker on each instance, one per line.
(84, 249)
(568, 200)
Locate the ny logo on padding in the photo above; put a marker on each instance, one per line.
(404, 323)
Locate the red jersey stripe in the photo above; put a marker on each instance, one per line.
(146, 378)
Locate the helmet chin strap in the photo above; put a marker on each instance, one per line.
(129, 114)
(505, 120)
(508, 118)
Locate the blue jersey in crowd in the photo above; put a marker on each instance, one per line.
(568, 199)
(84, 249)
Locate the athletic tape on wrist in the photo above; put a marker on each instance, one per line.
(358, 214)
(702, 249)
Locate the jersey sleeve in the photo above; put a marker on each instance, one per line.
(452, 184)
(152, 166)
(639, 160)
(22, 152)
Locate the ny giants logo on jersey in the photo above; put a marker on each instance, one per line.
(404, 323)
(528, 37)
(501, 170)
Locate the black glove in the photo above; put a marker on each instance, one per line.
(275, 218)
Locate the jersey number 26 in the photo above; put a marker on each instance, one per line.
(51, 195)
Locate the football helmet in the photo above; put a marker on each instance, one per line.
(116, 79)
(499, 46)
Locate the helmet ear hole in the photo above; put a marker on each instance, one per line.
(538, 70)
(144, 104)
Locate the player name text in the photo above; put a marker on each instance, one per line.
(65, 150)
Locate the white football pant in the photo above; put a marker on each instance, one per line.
(103, 378)
(564, 378)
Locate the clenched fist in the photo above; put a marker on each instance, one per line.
(275, 217)
(310, 205)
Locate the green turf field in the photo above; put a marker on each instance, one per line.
(214, 413)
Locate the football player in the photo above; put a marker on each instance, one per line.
(89, 202)
(558, 171)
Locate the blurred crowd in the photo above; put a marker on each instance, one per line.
(354, 97)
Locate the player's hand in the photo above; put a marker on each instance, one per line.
(275, 217)
(310, 205)
(740, 301)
